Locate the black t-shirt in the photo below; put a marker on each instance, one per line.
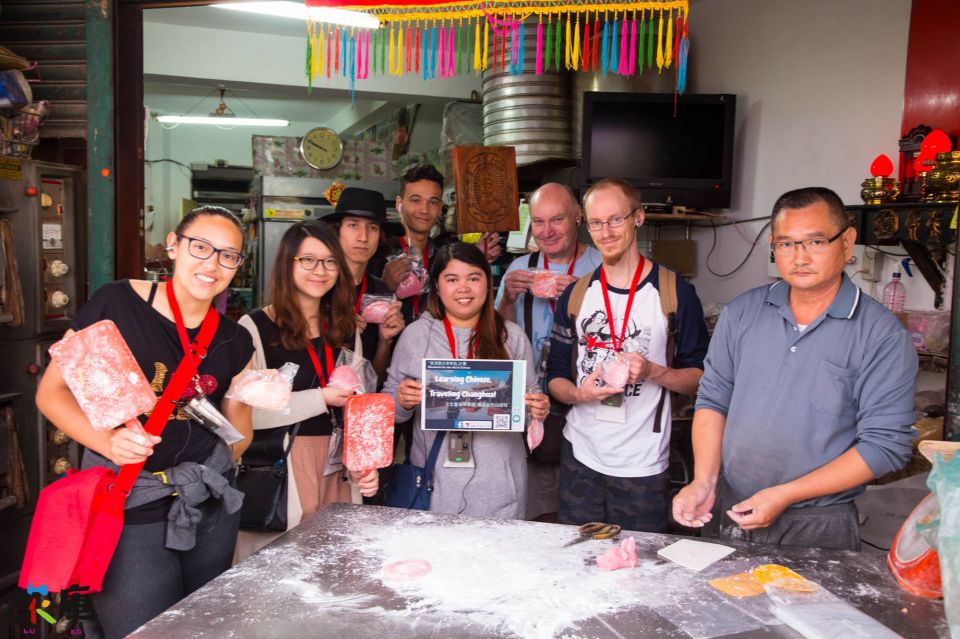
(155, 345)
(371, 334)
(276, 356)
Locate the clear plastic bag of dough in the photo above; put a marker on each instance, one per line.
(268, 388)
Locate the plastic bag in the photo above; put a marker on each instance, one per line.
(269, 388)
(615, 371)
(375, 308)
(416, 281)
(345, 378)
(545, 285)
(363, 370)
(944, 482)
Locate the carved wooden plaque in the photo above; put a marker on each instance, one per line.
(486, 182)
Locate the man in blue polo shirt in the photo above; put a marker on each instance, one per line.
(807, 393)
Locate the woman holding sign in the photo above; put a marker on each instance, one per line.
(171, 543)
(461, 322)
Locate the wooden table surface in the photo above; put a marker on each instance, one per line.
(492, 578)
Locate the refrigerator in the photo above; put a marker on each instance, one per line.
(284, 201)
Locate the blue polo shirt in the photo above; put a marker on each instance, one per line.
(796, 399)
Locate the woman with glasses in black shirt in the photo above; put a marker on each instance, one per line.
(169, 547)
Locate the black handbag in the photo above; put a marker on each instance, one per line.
(262, 477)
(410, 486)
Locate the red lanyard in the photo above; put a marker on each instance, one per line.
(546, 265)
(453, 341)
(363, 289)
(426, 264)
(328, 353)
(618, 343)
(210, 322)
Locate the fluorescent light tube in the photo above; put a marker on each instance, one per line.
(300, 11)
(224, 121)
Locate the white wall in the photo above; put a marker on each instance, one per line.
(819, 88)
(167, 183)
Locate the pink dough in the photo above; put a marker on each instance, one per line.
(264, 388)
(368, 431)
(407, 569)
(544, 285)
(615, 372)
(412, 285)
(534, 433)
(344, 378)
(103, 375)
(622, 556)
(376, 312)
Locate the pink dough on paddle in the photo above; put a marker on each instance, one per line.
(376, 312)
(544, 285)
(264, 388)
(622, 556)
(103, 375)
(344, 378)
(412, 285)
(615, 372)
(407, 569)
(368, 431)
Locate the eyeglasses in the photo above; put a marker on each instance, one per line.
(202, 250)
(613, 222)
(309, 262)
(814, 245)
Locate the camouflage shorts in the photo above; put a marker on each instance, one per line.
(635, 503)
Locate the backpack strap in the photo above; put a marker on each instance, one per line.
(573, 310)
(668, 304)
(528, 301)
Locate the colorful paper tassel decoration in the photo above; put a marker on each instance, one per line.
(605, 48)
(615, 46)
(660, 35)
(438, 33)
(539, 60)
(668, 54)
(682, 58)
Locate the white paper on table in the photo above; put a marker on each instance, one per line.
(695, 555)
(832, 620)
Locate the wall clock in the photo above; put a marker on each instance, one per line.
(321, 148)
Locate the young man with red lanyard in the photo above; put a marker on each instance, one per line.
(419, 205)
(615, 457)
(359, 219)
(554, 218)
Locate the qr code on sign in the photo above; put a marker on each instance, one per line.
(501, 422)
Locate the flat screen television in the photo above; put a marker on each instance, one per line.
(683, 158)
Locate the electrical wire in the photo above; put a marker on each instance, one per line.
(171, 161)
(753, 246)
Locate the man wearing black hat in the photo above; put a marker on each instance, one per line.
(358, 218)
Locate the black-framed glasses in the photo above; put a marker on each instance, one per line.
(202, 250)
(813, 245)
(309, 262)
(613, 222)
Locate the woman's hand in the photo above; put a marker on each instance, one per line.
(409, 393)
(539, 405)
(131, 444)
(335, 397)
(393, 323)
(367, 480)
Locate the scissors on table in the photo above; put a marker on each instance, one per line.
(595, 530)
